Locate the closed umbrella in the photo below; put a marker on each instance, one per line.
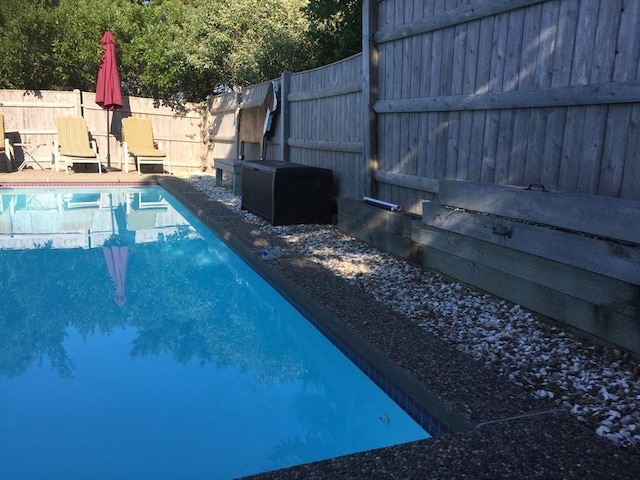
(108, 92)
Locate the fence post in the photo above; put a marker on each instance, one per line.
(77, 103)
(369, 92)
(284, 121)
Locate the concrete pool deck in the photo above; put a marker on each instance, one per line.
(538, 442)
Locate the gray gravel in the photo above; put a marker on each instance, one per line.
(495, 360)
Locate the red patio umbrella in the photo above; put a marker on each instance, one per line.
(108, 93)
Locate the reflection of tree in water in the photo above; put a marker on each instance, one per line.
(35, 314)
(316, 407)
(312, 410)
(217, 321)
(181, 302)
(23, 341)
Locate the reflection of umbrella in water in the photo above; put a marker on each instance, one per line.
(116, 252)
(116, 257)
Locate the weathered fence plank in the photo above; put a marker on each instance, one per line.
(576, 95)
(441, 20)
(631, 174)
(413, 182)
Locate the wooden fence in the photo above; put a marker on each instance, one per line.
(30, 118)
(525, 92)
(509, 133)
(318, 122)
(522, 92)
(325, 128)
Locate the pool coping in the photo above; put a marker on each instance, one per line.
(499, 431)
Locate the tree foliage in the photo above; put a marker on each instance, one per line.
(225, 330)
(335, 28)
(171, 49)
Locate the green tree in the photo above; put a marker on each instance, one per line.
(56, 44)
(25, 46)
(173, 50)
(335, 29)
(243, 42)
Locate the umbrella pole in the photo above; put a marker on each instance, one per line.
(108, 143)
(109, 169)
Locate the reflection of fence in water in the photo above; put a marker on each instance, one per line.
(83, 219)
(83, 200)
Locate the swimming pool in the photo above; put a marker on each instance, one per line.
(135, 344)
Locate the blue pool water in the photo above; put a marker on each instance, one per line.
(135, 345)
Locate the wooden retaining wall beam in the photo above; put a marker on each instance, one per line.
(223, 138)
(389, 231)
(587, 302)
(606, 217)
(610, 311)
(613, 259)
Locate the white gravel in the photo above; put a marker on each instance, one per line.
(599, 385)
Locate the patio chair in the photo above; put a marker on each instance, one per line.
(73, 144)
(137, 142)
(6, 148)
